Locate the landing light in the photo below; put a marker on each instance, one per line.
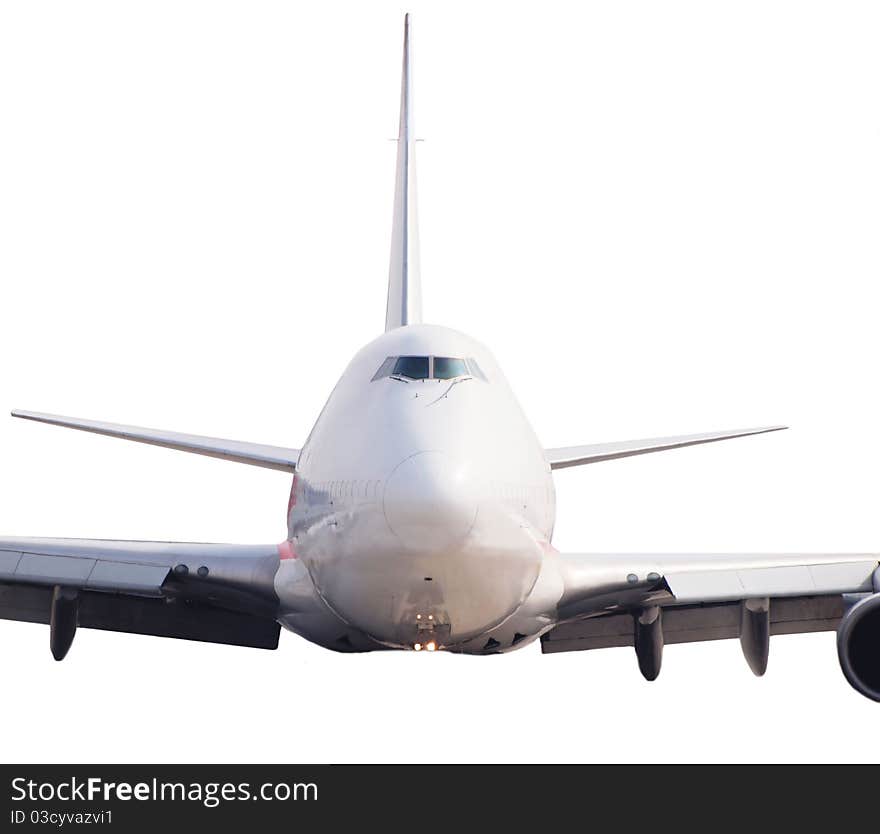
(432, 646)
(417, 646)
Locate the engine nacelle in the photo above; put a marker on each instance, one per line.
(858, 646)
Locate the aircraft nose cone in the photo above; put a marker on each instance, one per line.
(430, 501)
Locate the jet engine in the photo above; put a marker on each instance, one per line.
(858, 646)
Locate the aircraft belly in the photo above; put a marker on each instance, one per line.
(303, 611)
(401, 595)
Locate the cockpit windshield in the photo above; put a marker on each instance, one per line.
(429, 367)
(445, 367)
(412, 367)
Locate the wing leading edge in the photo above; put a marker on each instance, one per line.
(255, 454)
(561, 457)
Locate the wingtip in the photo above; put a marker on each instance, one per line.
(765, 430)
(24, 414)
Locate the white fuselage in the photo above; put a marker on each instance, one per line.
(422, 509)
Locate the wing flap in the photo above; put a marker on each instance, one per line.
(141, 615)
(791, 580)
(697, 623)
(82, 572)
(562, 457)
(255, 454)
(607, 582)
(218, 593)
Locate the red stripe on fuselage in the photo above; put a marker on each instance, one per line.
(286, 551)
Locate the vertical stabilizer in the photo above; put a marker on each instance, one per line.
(404, 282)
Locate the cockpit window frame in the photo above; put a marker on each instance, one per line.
(475, 370)
(388, 366)
(385, 369)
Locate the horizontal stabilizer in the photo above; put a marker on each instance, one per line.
(576, 455)
(255, 454)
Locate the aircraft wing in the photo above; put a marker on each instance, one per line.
(646, 600)
(255, 454)
(564, 456)
(217, 593)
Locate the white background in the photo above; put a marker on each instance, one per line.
(662, 217)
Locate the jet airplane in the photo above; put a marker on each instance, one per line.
(420, 518)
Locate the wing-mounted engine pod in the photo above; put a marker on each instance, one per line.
(858, 646)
